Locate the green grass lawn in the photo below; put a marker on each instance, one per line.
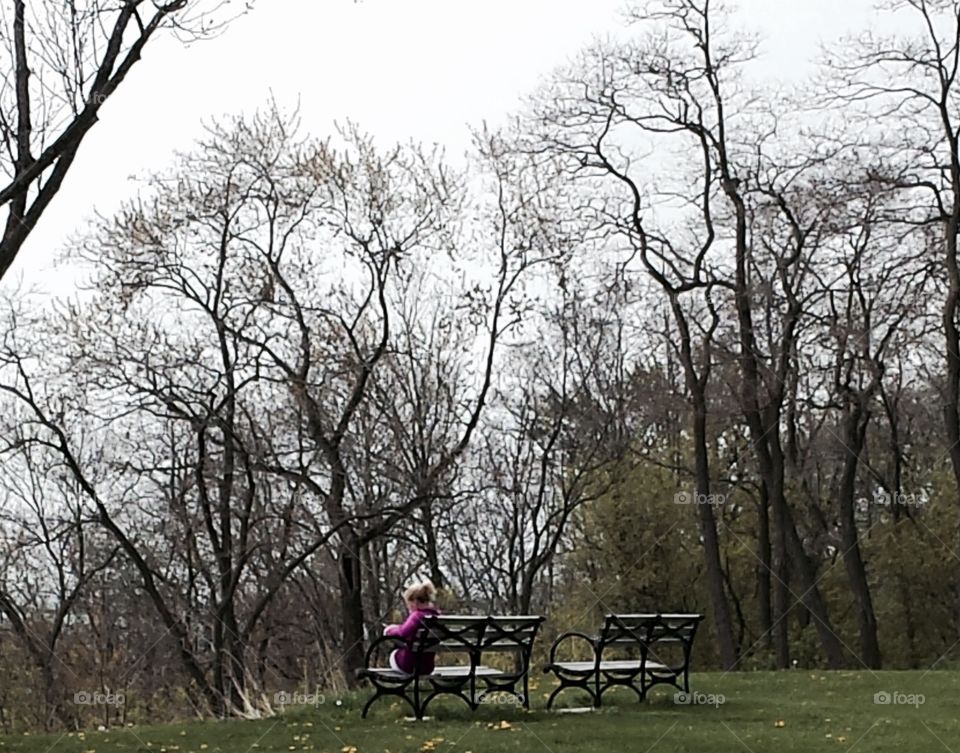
(759, 712)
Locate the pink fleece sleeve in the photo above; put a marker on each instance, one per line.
(407, 630)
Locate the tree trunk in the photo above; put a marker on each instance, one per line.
(764, 567)
(780, 560)
(351, 606)
(430, 537)
(711, 542)
(951, 307)
(855, 430)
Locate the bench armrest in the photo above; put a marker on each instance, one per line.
(571, 634)
(399, 642)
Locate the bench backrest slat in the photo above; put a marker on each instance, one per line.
(645, 631)
(450, 633)
(475, 634)
(623, 631)
(508, 632)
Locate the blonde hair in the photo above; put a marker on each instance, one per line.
(422, 593)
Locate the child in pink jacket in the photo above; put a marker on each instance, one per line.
(419, 599)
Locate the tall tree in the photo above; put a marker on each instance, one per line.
(66, 58)
(914, 77)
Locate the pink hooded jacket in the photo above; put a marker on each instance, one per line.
(405, 657)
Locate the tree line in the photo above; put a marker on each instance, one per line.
(670, 340)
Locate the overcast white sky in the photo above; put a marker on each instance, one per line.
(425, 69)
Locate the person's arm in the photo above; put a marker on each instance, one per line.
(407, 630)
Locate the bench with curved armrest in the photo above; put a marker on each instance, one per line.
(636, 651)
(467, 638)
(512, 635)
(386, 680)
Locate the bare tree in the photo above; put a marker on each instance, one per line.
(913, 78)
(882, 284)
(562, 423)
(220, 257)
(632, 95)
(66, 59)
(47, 537)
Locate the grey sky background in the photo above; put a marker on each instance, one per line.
(402, 69)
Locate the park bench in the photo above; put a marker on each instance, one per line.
(636, 651)
(466, 639)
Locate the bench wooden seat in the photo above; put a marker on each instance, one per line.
(660, 645)
(468, 636)
(606, 666)
(448, 671)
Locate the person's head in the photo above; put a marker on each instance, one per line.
(419, 595)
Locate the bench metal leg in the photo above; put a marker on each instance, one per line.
(367, 705)
(442, 691)
(623, 683)
(679, 679)
(505, 685)
(381, 693)
(553, 695)
(580, 684)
